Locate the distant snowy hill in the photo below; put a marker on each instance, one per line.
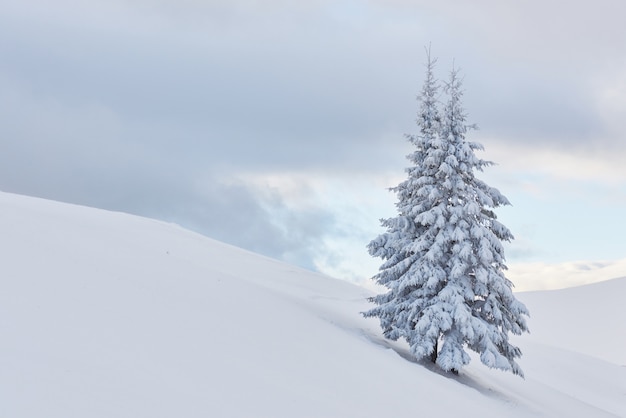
(104, 314)
(588, 319)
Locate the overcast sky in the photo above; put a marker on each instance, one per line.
(278, 125)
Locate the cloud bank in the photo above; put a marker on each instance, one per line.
(277, 125)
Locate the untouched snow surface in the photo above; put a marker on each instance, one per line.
(104, 314)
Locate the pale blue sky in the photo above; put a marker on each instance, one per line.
(277, 125)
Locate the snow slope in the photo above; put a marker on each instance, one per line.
(104, 314)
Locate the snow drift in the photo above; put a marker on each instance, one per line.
(104, 314)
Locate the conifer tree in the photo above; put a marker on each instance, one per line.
(443, 259)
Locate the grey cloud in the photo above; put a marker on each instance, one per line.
(258, 220)
(272, 101)
(283, 88)
(534, 110)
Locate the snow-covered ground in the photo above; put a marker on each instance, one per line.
(104, 314)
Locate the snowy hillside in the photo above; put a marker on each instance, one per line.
(105, 314)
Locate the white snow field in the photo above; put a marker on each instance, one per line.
(104, 314)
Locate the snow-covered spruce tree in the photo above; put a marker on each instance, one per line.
(443, 256)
